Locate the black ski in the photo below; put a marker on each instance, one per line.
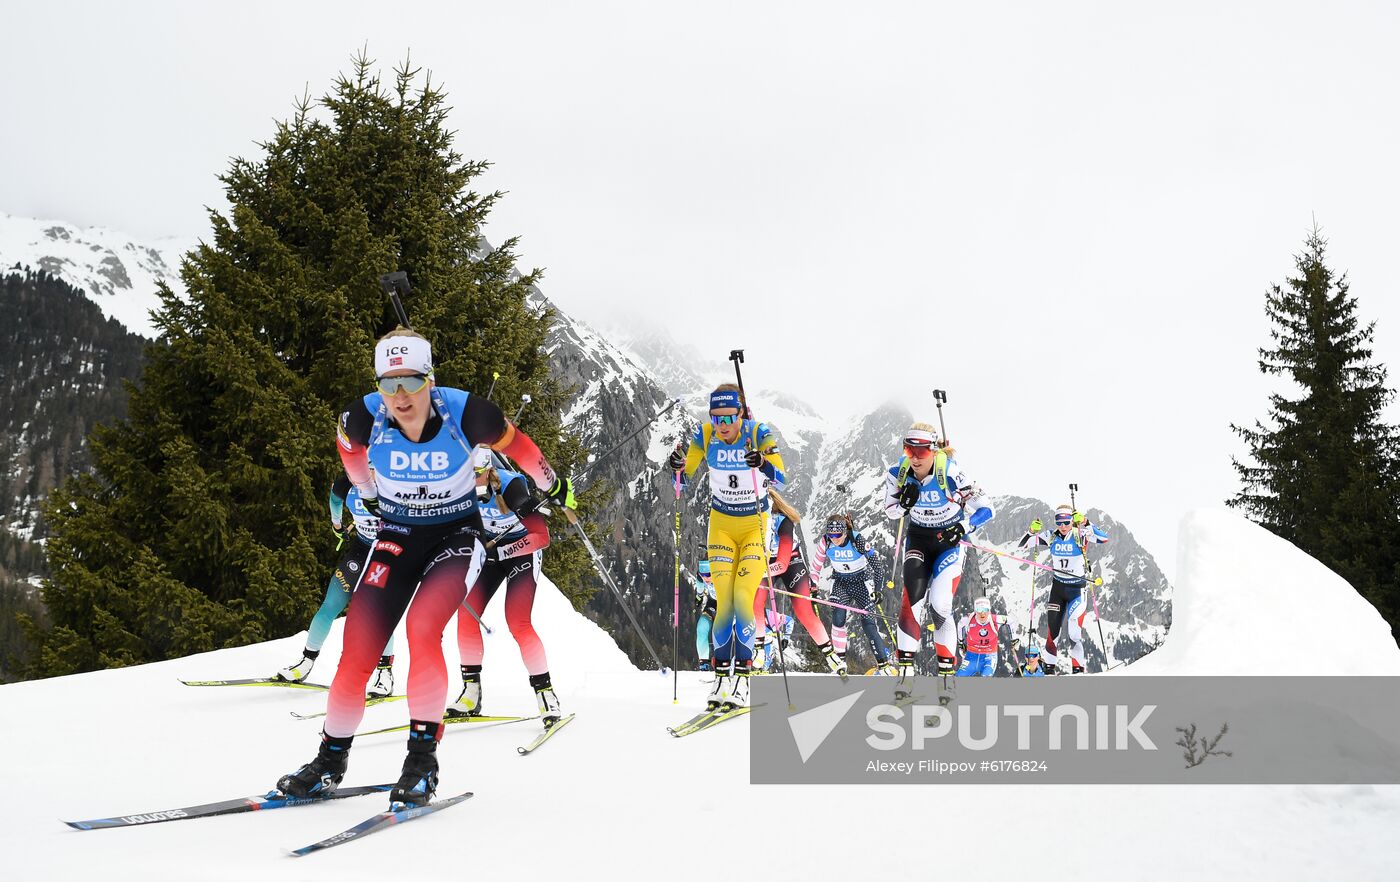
(381, 821)
(267, 801)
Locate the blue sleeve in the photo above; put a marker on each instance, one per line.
(980, 517)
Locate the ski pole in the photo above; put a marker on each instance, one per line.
(524, 400)
(395, 285)
(1031, 627)
(815, 599)
(737, 356)
(467, 606)
(495, 375)
(603, 573)
(940, 398)
(618, 446)
(676, 612)
(1038, 566)
(1089, 571)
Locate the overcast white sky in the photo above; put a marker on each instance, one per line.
(1065, 214)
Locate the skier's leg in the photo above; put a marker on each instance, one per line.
(1075, 616)
(1054, 617)
(747, 580)
(799, 580)
(386, 586)
(722, 548)
(470, 646)
(947, 572)
(456, 563)
(520, 600)
(916, 578)
(703, 650)
(838, 630)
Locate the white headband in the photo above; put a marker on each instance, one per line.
(397, 353)
(920, 435)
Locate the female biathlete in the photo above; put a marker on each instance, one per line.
(942, 505)
(361, 533)
(1067, 542)
(744, 461)
(509, 516)
(407, 449)
(856, 576)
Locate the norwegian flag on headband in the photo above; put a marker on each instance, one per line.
(396, 362)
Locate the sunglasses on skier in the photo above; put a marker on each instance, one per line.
(982, 607)
(726, 420)
(836, 530)
(917, 449)
(410, 384)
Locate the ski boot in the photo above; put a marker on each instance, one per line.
(947, 666)
(724, 684)
(705, 665)
(738, 690)
(301, 670)
(546, 699)
(323, 774)
(419, 780)
(468, 704)
(835, 662)
(904, 686)
(886, 668)
(382, 686)
(760, 655)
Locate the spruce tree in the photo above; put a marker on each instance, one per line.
(205, 525)
(1325, 473)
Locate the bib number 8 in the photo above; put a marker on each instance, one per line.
(733, 482)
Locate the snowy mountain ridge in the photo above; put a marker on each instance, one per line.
(120, 273)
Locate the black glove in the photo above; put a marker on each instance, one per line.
(676, 461)
(371, 504)
(529, 506)
(908, 495)
(952, 535)
(753, 459)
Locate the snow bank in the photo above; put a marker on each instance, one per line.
(1248, 602)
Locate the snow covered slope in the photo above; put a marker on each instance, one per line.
(1246, 602)
(121, 274)
(612, 797)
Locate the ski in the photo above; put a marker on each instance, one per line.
(450, 720)
(709, 719)
(698, 718)
(256, 681)
(378, 822)
(369, 702)
(545, 735)
(272, 800)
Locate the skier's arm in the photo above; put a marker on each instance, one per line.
(336, 502)
(977, 508)
(516, 494)
(767, 447)
(893, 510)
(485, 423)
(877, 568)
(352, 443)
(819, 560)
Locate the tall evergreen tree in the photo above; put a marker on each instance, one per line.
(204, 525)
(1325, 474)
